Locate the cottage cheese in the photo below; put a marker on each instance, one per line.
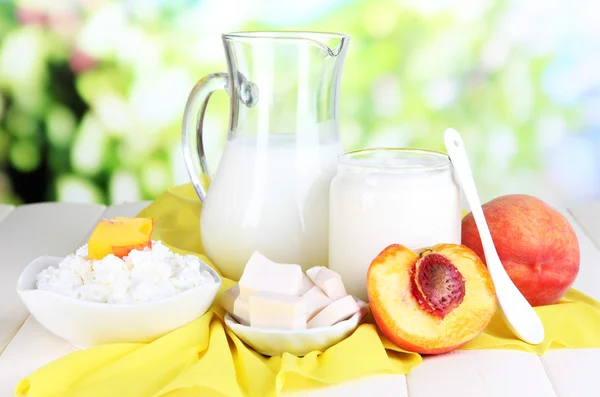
(142, 276)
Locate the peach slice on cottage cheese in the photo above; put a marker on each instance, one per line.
(119, 236)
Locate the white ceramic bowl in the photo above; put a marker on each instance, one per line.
(274, 342)
(85, 324)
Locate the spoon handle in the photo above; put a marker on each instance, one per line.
(518, 314)
(460, 161)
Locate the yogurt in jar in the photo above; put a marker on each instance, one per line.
(389, 196)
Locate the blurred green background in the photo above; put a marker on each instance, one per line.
(92, 92)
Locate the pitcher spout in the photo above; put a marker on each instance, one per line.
(339, 48)
(332, 44)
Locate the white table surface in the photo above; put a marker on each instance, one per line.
(29, 231)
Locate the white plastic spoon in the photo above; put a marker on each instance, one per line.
(516, 311)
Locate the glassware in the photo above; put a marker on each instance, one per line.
(389, 196)
(271, 189)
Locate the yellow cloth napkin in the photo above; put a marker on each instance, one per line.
(203, 358)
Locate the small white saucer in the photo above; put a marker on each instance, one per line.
(274, 342)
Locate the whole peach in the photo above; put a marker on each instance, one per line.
(536, 244)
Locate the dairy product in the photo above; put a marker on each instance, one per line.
(262, 274)
(277, 311)
(316, 300)
(236, 306)
(307, 285)
(386, 197)
(142, 276)
(280, 296)
(335, 312)
(270, 194)
(328, 281)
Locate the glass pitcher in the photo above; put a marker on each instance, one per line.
(270, 192)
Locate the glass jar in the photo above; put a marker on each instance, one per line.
(390, 196)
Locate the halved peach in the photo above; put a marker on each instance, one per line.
(119, 236)
(433, 301)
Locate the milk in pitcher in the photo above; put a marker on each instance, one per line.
(271, 194)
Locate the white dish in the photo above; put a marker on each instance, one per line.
(85, 324)
(274, 342)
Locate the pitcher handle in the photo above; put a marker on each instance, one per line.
(193, 118)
